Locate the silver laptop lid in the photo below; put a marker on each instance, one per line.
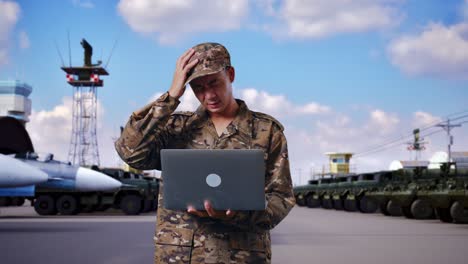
(231, 179)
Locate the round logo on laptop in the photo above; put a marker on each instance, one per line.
(213, 180)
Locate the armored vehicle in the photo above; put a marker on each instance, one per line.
(365, 183)
(388, 181)
(448, 196)
(304, 194)
(339, 193)
(400, 195)
(350, 203)
(136, 195)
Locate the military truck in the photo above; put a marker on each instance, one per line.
(138, 194)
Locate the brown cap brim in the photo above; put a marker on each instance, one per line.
(201, 74)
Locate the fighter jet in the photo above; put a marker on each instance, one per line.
(15, 173)
(67, 176)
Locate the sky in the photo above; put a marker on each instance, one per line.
(340, 75)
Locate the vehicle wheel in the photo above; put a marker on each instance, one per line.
(131, 204)
(17, 201)
(89, 208)
(444, 215)
(146, 206)
(459, 213)
(45, 205)
(103, 207)
(67, 205)
(311, 202)
(394, 209)
(327, 204)
(338, 204)
(5, 201)
(350, 205)
(421, 209)
(300, 201)
(383, 209)
(406, 210)
(367, 205)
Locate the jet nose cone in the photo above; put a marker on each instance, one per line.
(15, 173)
(90, 180)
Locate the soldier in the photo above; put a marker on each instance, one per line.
(221, 122)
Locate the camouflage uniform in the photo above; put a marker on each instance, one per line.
(181, 237)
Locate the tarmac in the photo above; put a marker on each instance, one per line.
(305, 236)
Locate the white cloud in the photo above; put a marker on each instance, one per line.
(50, 132)
(9, 15)
(170, 21)
(438, 50)
(24, 42)
(278, 105)
(321, 18)
(424, 119)
(83, 4)
(383, 122)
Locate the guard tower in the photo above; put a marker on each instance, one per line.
(85, 80)
(339, 162)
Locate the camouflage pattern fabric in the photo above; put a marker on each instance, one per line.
(213, 58)
(184, 238)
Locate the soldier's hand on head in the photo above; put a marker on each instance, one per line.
(183, 66)
(211, 212)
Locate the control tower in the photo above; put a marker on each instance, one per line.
(339, 162)
(14, 100)
(85, 80)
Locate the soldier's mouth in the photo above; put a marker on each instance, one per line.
(213, 104)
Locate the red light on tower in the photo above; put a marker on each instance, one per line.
(94, 78)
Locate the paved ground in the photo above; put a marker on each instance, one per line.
(306, 236)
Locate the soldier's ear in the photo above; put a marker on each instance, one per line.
(231, 73)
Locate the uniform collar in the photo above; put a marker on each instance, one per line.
(242, 122)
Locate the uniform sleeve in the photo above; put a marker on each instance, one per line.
(278, 190)
(146, 133)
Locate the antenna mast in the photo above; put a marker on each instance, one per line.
(85, 81)
(448, 127)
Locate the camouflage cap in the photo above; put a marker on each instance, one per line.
(212, 58)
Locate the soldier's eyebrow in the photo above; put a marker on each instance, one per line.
(195, 86)
(212, 81)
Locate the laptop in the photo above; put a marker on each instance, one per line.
(229, 178)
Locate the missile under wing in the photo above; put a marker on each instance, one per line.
(67, 176)
(15, 173)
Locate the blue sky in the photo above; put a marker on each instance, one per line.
(371, 70)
